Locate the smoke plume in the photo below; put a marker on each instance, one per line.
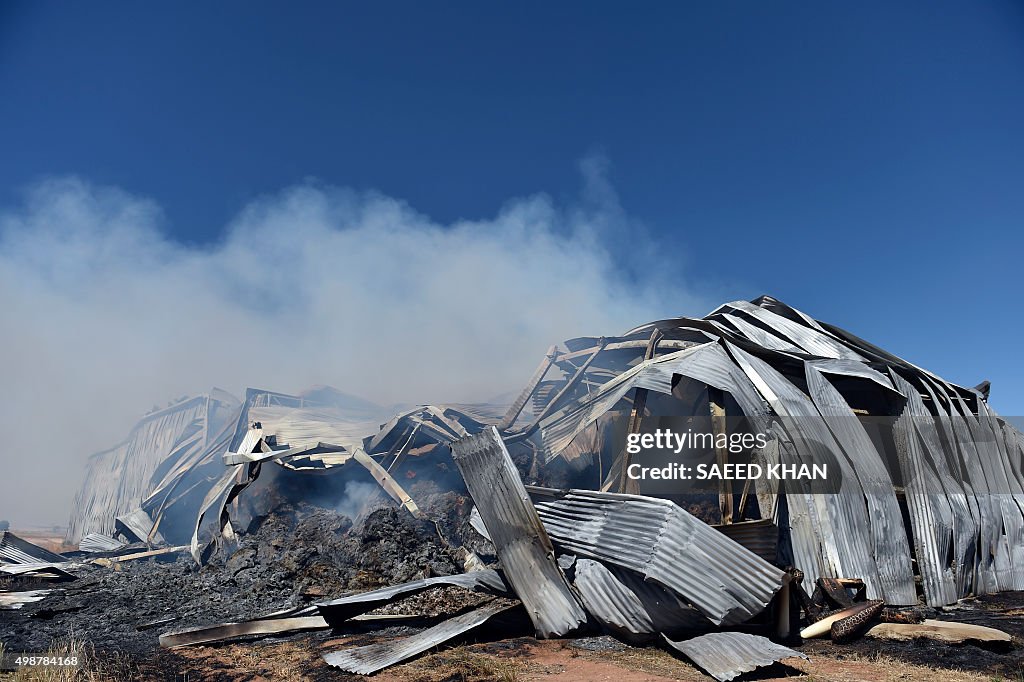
(105, 315)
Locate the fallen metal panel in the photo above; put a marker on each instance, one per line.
(728, 583)
(46, 571)
(19, 551)
(266, 626)
(94, 542)
(727, 655)
(231, 484)
(630, 606)
(337, 611)
(109, 561)
(366, 660)
(137, 527)
(12, 601)
(519, 537)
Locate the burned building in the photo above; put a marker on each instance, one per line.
(923, 500)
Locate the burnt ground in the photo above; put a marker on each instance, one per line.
(295, 557)
(518, 658)
(302, 554)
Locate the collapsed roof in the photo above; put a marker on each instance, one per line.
(933, 488)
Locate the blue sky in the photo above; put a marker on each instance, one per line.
(861, 161)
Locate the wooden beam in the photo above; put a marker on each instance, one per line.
(636, 415)
(718, 427)
(517, 407)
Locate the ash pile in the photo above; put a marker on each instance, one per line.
(529, 517)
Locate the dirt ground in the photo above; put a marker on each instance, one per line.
(591, 659)
(112, 619)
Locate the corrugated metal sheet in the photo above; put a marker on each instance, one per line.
(727, 655)
(761, 536)
(847, 537)
(118, 479)
(15, 550)
(891, 549)
(94, 542)
(43, 570)
(366, 660)
(137, 526)
(522, 544)
(811, 340)
(336, 611)
(726, 582)
(631, 607)
(930, 497)
(307, 426)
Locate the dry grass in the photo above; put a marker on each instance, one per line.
(882, 668)
(69, 647)
(283, 661)
(112, 668)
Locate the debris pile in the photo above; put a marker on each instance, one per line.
(535, 512)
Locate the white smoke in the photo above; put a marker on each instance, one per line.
(105, 316)
(359, 499)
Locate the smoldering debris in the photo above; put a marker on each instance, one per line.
(277, 515)
(292, 558)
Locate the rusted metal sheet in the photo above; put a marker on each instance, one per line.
(728, 583)
(727, 655)
(519, 537)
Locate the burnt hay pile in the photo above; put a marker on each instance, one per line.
(296, 555)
